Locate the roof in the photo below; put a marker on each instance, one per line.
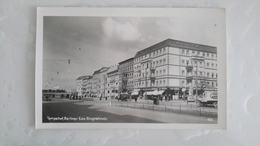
(100, 70)
(130, 59)
(114, 71)
(84, 77)
(179, 44)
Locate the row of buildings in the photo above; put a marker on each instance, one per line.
(170, 64)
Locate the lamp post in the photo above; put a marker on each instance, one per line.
(197, 58)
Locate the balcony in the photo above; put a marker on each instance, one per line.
(152, 69)
(189, 79)
(189, 68)
(152, 79)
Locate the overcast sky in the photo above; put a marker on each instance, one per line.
(94, 42)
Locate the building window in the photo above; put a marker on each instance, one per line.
(207, 54)
(156, 62)
(207, 64)
(187, 62)
(207, 74)
(183, 52)
(212, 75)
(160, 72)
(203, 54)
(212, 65)
(164, 82)
(216, 84)
(164, 51)
(183, 62)
(164, 61)
(164, 71)
(183, 72)
(188, 53)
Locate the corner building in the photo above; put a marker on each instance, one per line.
(175, 64)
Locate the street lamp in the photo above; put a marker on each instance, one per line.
(197, 58)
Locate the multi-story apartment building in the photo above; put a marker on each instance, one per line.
(126, 72)
(82, 85)
(99, 82)
(112, 88)
(175, 64)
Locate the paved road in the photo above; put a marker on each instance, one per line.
(63, 110)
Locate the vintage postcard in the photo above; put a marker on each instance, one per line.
(131, 68)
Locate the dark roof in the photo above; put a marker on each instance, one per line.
(99, 71)
(178, 44)
(130, 59)
(84, 77)
(114, 71)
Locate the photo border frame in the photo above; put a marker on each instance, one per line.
(132, 12)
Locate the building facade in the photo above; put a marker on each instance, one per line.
(126, 71)
(112, 88)
(99, 78)
(175, 64)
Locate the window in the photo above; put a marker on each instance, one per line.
(203, 54)
(164, 61)
(160, 82)
(188, 53)
(212, 65)
(183, 62)
(164, 82)
(207, 64)
(212, 75)
(164, 71)
(187, 62)
(160, 72)
(208, 74)
(164, 51)
(183, 72)
(183, 52)
(156, 62)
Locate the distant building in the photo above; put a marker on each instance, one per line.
(99, 82)
(126, 72)
(112, 88)
(82, 85)
(175, 64)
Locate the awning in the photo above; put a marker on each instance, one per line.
(149, 93)
(158, 92)
(134, 93)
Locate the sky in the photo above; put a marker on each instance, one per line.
(91, 43)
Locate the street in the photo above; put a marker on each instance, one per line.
(72, 111)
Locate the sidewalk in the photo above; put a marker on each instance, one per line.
(175, 106)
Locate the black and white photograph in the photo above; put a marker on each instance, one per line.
(126, 68)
